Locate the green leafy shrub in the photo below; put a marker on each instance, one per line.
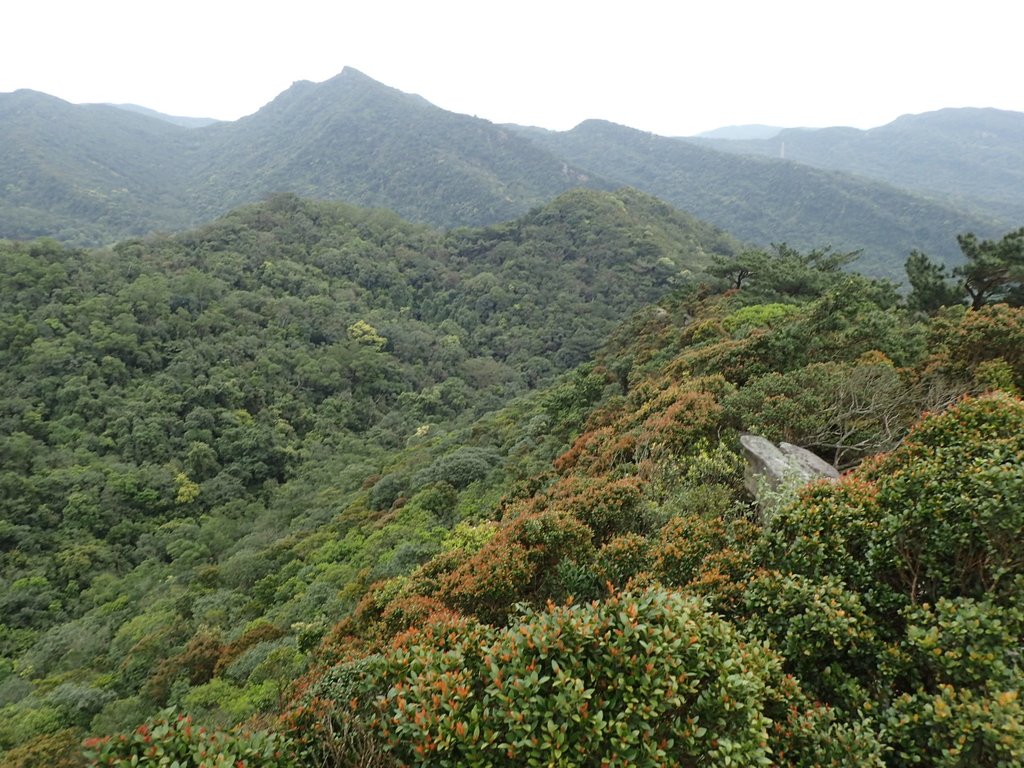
(960, 672)
(171, 740)
(957, 728)
(952, 497)
(938, 517)
(821, 629)
(646, 679)
(623, 558)
(461, 467)
(920, 549)
(964, 340)
(334, 719)
(963, 641)
(387, 490)
(756, 316)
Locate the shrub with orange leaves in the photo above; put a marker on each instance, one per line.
(173, 739)
(646, 679)
(518, 564)
(966, 340)
(692, 549)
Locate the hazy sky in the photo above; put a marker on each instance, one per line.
(674, 67)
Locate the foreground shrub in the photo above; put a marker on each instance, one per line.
(938, 517)
(518, 564)
(173, 740)
(822, 631)
(961, 664)
(646, 679)
(921, 550)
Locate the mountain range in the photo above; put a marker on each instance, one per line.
(972, 158)
(393, 494)
(91, 174)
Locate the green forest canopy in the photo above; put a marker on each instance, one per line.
(312, 442)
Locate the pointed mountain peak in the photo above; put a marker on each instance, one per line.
(348, 84)
(358, 81)
(351, 73)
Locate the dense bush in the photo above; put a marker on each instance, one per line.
(938, 517)
(904, 588)
(173, 740)
(645, 679)
(822, 631)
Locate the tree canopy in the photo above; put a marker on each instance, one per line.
(316, 486)
(993, 271)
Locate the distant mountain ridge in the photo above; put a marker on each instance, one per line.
(94, 173)
(88, 173)
(739, 132)
(184, 122)
(355, 139)
(769, 200)
(969, 156)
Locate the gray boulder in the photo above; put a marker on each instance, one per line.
(780, 463)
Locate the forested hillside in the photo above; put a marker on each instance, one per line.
(973, 158)
(769, 200)
(175, 406)
(88, 173)
(384, 495)
(354, 139)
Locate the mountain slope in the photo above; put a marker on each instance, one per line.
(769, 200)
(93, 173)
(972, 157)
(237, 462)
(82, 172)
(354, 139)
(182, 416)
(184, 121)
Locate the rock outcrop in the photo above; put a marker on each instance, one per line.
(775, 464)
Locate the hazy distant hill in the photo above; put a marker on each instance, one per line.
(184, 122)
(770, 200)
(92, 173)
(970, 156)
(736, 132)
(84, 173)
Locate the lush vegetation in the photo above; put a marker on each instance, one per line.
(993, 270)
(90, 174)
(315, 486)
(354, 139)
(204, 436)
(879, 616)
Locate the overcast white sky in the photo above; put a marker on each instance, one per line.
(672, 67)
